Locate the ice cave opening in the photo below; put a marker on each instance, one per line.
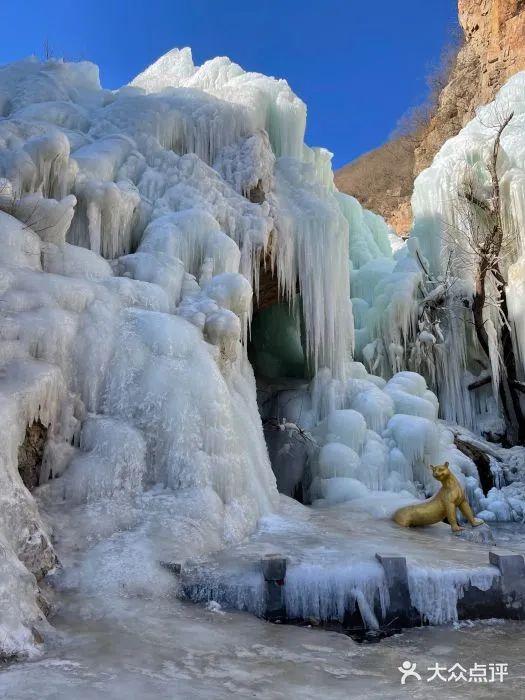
(277, 352)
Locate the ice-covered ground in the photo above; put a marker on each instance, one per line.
(118, 629)
(331, 563)
(171, 650)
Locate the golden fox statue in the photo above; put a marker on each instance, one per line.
(442, 505)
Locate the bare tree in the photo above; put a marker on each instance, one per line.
(414, 123)
(484, 234)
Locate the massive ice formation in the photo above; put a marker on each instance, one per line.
(133, 228)
(133, 225)
(392, 290)
(368, 434)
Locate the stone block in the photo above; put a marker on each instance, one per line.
(400, 608)
(512, 569)
(274, 572)
(273, 567)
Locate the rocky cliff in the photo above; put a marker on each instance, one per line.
(382, 181)
(494, 49)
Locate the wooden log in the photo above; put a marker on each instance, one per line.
(479, 383)
(481, 460)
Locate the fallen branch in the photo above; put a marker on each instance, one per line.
(477, 202)
(479, 383)
(481, 460)
(423, 266)
(286, 426)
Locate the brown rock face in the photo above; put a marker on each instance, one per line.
(36, 552)
(494, 49)
(495, 29)
(382, 181)
(30, 454)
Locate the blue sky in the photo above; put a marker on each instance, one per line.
(358, 65)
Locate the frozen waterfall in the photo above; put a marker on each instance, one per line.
(134, 228)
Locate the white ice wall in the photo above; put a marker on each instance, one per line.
(129, 251)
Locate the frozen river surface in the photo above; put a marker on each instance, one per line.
(170, 650)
